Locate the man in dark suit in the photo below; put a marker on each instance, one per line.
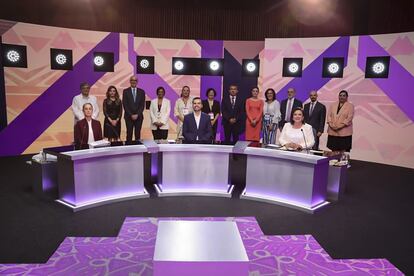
(315, 114)
(133, 99)
(197, 125)
(233, 111)
(287, 105)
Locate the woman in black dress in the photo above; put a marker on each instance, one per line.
(112, 109)
(212, 108)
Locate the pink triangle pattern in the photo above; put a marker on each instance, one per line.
(36, 43)
(401, 46)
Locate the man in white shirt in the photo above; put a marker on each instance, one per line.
(197, 125)
(79, 100)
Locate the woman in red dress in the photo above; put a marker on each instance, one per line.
(254, 111)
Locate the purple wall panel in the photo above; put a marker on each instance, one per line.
(39, 115)
(312, 74)
(399, 79)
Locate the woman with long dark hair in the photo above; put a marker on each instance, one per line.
(112, 109)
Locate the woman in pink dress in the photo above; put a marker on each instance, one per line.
(254, 111)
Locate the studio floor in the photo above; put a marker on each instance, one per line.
(372, 220)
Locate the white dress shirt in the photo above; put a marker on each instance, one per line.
(289, 107)
(197, 119)
(77, 105)
(91, 138)
(295, 135)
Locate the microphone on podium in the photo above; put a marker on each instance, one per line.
(304, 138)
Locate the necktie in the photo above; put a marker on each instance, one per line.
(311, 109)
(233, 102)
(134, 93)
(288, 110)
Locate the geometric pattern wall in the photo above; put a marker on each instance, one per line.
(384, 116)
(38, 99)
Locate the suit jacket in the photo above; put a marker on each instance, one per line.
(215, 108)
(164, 114)
(238, 112)
(191, 132)
(81, 132)
(130, 106)
(317, 119)
(283, 105)
(342, 120)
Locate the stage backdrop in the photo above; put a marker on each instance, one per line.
(38, 99)
(384, 113)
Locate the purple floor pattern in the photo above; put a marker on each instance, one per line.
(131, 252)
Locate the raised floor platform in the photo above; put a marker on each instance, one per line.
(132, 251)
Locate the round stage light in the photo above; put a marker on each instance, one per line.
(293, 67)
(333, 68)
(250, 67)
(98, 60)
(179, 65)
(13, 56)
(144, 63)
(61, 59)
(378, 67)
(214, 65)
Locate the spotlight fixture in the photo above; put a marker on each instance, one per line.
(377, 67)
(145, 65)
(103, 61)
(14, 55)
(292, 67)
(333, 67)
(98, 60)
(197, 66)
(250, 67)
(178, 65)
(211, 67)
(214, 65)
(61, 59)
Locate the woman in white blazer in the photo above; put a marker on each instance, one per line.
(297, 135)
(160, 109)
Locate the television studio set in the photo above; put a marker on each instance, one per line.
(190, 137)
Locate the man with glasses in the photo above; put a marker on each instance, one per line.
(287, 105)
(133, 99)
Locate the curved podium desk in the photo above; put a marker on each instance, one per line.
(92, 177)
(291, 179)
(185, 169)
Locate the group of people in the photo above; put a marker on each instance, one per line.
(197, 120)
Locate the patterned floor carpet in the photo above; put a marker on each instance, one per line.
(131, 253)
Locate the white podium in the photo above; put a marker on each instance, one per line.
(199, 248)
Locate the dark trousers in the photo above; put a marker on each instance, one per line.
(214, 132)
(316, 145)
(160, 134)
(231, 132)
(131, 125)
